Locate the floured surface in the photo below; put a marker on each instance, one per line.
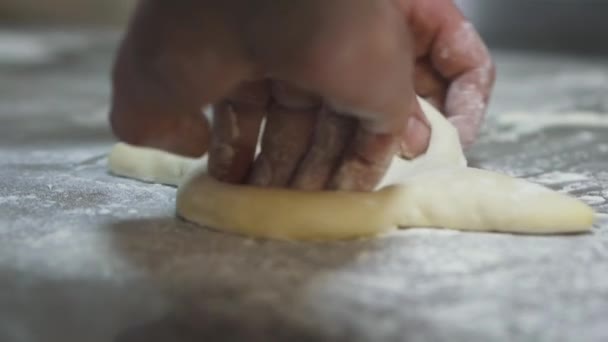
(107, 254)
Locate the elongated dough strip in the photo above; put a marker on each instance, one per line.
(440, 200)
(436, 190)
(150, 165)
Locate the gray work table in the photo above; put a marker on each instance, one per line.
(88, 257)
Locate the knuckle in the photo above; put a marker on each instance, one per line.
(251, 96)
(293, 98)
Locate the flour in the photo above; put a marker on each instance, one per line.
(78, 187)
(572, 183)
(36, 159)
(513, 126)
(593, 200)
(23, 49)
(19, 48)
(554, 178)
(17, 199)
(8, 199)
(96, 118)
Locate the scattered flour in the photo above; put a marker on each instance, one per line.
(8, 199)
(554, 178)
(593, 200)
(23, 49)
(13, 199)
(97, 118)
(512, 126)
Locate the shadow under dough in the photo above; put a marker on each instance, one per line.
(228, 287)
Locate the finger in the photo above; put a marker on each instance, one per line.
(162, 123)
(146, 111)
(415, 140)
(471, 73)
(287, 135)
(236, 127)
(235, 135)
(467, 101)
(366, 161)
(459, 56)
(364, 70)
(332, 134)
(429, 84)
(163, 77)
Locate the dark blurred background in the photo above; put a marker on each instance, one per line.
(575, 26)
(65, 12)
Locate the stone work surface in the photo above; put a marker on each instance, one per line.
(88, 257)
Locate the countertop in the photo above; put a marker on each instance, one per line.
(85, 256)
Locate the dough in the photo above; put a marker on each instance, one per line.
(150, 165)
(436, 190)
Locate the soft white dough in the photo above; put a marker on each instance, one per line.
(150, 165)
(436, 190)
(444, 151)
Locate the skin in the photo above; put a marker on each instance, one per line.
(335, 80)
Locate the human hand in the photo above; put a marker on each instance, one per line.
(335, 85)
(454, 69)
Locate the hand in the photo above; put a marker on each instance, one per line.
(454, 69)
(344, 104)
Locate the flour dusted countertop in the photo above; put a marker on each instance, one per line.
(88, 257)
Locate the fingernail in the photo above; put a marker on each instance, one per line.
(416, 139)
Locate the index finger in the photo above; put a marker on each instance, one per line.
(459, 55)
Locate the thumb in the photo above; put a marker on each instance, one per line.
(417, 134)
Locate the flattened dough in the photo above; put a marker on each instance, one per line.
(436, 190)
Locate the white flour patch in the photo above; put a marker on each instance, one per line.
(512, 126)
(8, 199)
(554, 178)
(20, 47)
(574, 187)
(104, 211)
(98, 118)
(25, 156)
(507, 170)
(584, 136)
(593, 200)
(23, 49)
(14, 199)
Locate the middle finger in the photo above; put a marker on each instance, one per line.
(287, 134)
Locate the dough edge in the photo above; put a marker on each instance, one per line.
(431, 197)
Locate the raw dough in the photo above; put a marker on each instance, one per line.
(435, 190)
